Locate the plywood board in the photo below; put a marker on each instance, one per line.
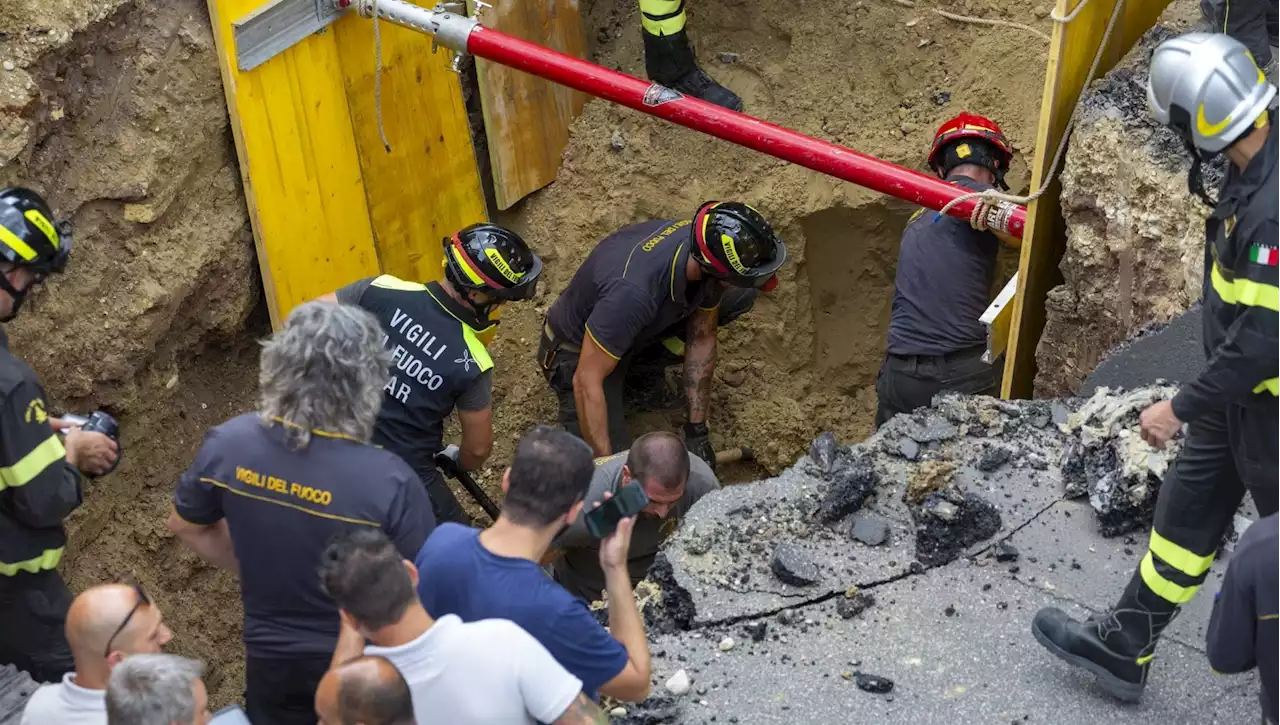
(299, 165)
(526, 118)
(1071, 52)
(427, 186)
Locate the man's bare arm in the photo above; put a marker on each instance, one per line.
(594, 365)
(583, 712)
(700, 361)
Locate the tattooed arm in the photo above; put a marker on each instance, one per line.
(583, 712)
(700, 361)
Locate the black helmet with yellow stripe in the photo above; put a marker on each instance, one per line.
(493, 260)
(30, 238)
(734, 242)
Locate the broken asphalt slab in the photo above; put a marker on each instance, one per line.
(955, 641)
(724, 553)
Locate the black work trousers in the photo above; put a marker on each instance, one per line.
(33, 617)
(1252, 22)
(907, 382)
(559, 362)
(1226, 454)
(282, 691)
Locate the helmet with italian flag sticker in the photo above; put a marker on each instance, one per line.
(734, 242)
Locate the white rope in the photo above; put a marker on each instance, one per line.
(370, 7)
(986, 21)
(991, 198)
(1053, 14)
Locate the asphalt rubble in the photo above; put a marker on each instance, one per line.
(895, 580)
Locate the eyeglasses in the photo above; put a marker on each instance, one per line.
(142, 599)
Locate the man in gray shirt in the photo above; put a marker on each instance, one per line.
(673, 480)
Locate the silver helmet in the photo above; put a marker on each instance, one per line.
(1207, 88)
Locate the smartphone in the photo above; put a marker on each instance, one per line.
(626, 501)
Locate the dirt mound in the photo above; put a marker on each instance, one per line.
(1135, 236)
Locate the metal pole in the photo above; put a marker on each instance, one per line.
(463, 34)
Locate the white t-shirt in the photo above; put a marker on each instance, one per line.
(66, 703)
(489, 672)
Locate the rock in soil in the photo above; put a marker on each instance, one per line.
(1006, 552)
(928, 477)
(756, 630)
(849, 607)
(873, 683)
(678, 684)
(1106, 458)
(657, 709)
(673, 611)
(870, 530)
(941, 540)
(853, 479)
(792, 566)
(993, 457)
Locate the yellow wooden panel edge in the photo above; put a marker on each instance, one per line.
(428, 186)
(298, 163)
(1071, 52)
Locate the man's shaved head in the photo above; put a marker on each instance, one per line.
(96, 615)
(368, 691)
(659, 456)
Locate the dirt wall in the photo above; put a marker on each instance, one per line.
(1135, 236)
(114, 110)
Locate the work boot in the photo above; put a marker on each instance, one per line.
(669, 60)
(1116, 646)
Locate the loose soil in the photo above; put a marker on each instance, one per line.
(115, 110)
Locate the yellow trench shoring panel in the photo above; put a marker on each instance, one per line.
(1071, 52)
(311, 159)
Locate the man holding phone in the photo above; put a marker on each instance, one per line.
(495, 573)
(672, 481)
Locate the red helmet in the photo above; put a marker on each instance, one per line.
(948, 151)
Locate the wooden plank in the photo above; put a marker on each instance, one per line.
(298, 162)
(526, 119)
(428, 186)
(1071, 52)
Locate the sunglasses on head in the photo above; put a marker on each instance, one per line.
(142, 599)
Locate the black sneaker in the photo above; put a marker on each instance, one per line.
(669, 60)
(1089, 644)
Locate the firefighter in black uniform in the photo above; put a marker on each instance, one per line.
(655, 288)
(1208, 90)
(39, 471)
(439, 363)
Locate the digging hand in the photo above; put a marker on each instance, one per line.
(1158, 424)
(697, 440)
(447, 461)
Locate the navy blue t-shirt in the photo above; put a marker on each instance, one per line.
(457, 575)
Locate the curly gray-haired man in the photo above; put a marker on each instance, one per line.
(157, 689)
(268, 490)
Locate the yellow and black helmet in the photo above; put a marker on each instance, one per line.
(734, 242)
(494, 260)
(28, 235)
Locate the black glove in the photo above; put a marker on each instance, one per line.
(697, 440)
(447, 461)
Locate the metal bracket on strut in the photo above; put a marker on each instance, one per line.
(444, 7)
(279, 25)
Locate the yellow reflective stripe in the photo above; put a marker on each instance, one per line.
(674, 345)
(12, 240)
(1245, 291)
(597, 342)
(34, 463)
(43, 225)
(45, 562)
(466, 266)
(653, 20)
(1270, 385)
(1169, 591)
(387, 281)
(1209, 129)
(1146, 658)
(477, 348)
(1183, 560)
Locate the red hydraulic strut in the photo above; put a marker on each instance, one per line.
(463, 34)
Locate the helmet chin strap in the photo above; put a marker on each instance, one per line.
(18, 296)
(482, 310)
(1195, 175)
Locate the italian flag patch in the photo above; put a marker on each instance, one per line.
(1264, 255)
